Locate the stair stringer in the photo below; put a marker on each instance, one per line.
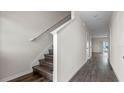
(41, 55)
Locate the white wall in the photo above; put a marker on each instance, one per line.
(117, 44)
(71, 49)
(98, 44)
(90, 43)
(16, 51)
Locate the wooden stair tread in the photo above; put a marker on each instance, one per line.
(39, 79)
(42, 79)
(21, 78)
(46, 80)
(30, 79)
(43, 69)
(48, 61)
(47, 64)
(48, 55)
(41, 73)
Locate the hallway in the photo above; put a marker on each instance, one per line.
(71, 46)
(96, 70)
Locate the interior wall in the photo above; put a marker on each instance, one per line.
(98, 44)
(17, 52)
(71, 46)
(90, 45)
(117, 44)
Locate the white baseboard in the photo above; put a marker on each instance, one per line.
(15, 76)
(77, 70)
(115, 72)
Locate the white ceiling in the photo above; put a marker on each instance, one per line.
(97, 21)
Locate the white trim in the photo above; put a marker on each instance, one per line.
(15, 76)
(54, 33)
(110, 50)
(115, 73)
(55, 58)
(72, 15)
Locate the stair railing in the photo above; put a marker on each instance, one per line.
(62, 21)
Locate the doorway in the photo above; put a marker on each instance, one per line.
(105, 47)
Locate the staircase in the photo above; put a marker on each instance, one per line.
(45, 67)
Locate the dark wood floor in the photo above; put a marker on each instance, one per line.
(96, 69)
(30, 78)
